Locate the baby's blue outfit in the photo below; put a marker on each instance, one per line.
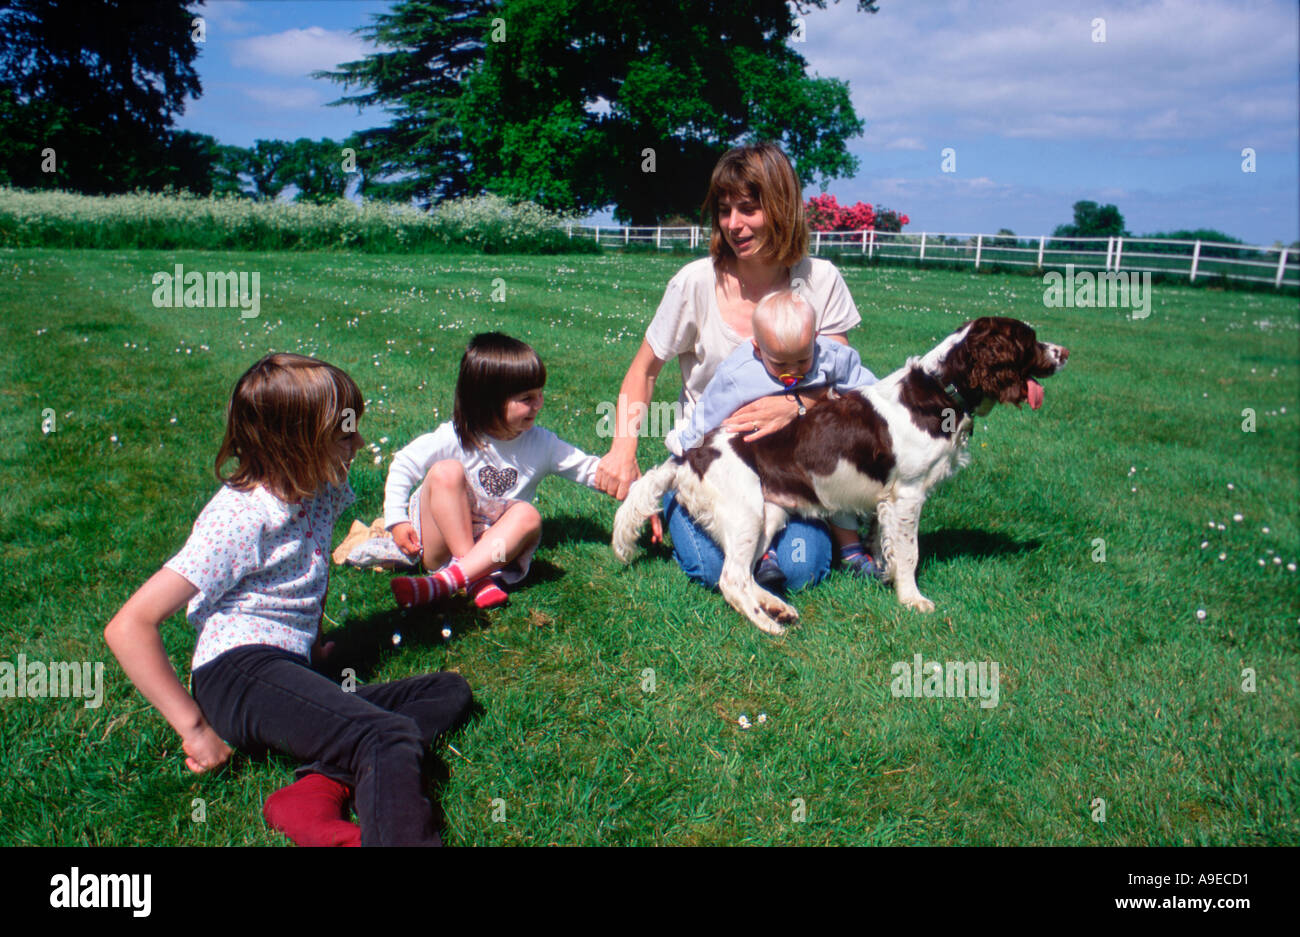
(742, 379)
(803, 546)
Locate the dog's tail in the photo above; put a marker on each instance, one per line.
(643, 500)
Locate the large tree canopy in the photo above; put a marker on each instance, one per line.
(559, 101)
(100, 83)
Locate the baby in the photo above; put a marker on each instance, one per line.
(787, 355)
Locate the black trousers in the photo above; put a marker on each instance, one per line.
(375, 739)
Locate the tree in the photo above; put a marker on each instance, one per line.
(889, 220)
(430, 45)
(198, 163)
(100, 83)
(314, 167)
(1092, 221)
(579, 106)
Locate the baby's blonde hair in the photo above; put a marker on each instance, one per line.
(784, 317)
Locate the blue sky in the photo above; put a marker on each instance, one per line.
(1154, 119)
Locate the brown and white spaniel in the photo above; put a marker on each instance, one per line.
(880, 448)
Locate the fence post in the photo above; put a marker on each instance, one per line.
(1110, 251)
(1281, 267)
(1196, 260)
(627, 230)
(979, 246)
(817, 245)
(872, 249)
(658, 233)
(1042, 242)
(1119, 250)
(864, 240)
(597, 234)
(922, 245)
(569, 228)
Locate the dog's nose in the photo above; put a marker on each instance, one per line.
(1065, 354)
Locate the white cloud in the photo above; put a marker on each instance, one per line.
(902, 190)
(222, 16)
(1169, 69)
(298, 52)
(286, 98)
(905, 143)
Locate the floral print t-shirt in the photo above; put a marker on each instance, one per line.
(261, 566)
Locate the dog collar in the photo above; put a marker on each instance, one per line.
(951, 390)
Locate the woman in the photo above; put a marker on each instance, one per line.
(759, 245)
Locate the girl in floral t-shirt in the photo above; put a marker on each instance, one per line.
(253, 577)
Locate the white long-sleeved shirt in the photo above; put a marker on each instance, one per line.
(503, 468)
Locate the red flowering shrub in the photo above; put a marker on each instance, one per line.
(826, 214)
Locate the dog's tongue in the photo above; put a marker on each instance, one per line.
(1034, 391)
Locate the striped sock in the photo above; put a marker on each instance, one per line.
(421, 590)
(486, 593)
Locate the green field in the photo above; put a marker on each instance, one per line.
(1111, 685)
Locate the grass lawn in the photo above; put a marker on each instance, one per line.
(1111, 685)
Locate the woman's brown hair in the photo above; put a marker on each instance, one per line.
(286, 415)
(494, 368)
(762, 173)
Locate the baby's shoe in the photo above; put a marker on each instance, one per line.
(768, 573)
(860, 563)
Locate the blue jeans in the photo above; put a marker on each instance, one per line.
(803, 548)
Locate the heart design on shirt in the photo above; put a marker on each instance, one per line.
(497, 482)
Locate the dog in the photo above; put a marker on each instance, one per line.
(881, 447)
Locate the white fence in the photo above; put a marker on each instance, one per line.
(1277, 265)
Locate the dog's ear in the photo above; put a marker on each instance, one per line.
(994, 356)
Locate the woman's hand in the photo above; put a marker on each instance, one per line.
(204, 749)
(762, 417)
(767, 415)
(407, 540)
(616, 472)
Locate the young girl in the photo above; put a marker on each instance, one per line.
(254, 574)
(476, 477)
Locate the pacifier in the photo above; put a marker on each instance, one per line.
(789, 380)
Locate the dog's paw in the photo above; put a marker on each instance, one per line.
(778, 610)
(918, 602)
(767, 625)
